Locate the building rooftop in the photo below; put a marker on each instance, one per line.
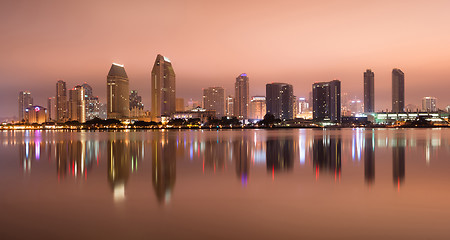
(117, 70)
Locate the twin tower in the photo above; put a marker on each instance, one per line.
(162, 90)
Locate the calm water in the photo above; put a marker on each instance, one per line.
(270, 184)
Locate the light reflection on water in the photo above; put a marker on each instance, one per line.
(330, 156)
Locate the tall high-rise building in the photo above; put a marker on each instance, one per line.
(92, 107)
(77, 105)
(369, 95)
(25, 101)
(257, 107)
(429, 104)
(136, 105)
(398, 90)
(279, 100)
(61, 101)
(91, 102)
(117, 93)
(230, 106)
(241, 96)
(163, 88)
(51, 107)
(327, 101)
(214, 99)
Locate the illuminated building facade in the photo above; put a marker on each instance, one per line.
(398, 90)
(429, 104)
(61, 101)
(77, 106)
(369, 91)
(25, 101)
(241, 96)
(257, 107)
(280, 100)
(327, 101)
(117, 93)
(36, 114)
(230, 106)
(214, 99)
(163, 88)
(136, 105)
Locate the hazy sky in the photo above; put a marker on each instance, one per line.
(211, 42)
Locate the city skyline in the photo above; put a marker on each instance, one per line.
(304, 50)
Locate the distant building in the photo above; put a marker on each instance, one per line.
(230, 106)
(429, 104)
(411, 108)
(163, 88)
(241, 96)
(136, 105)
(92, 103)
(25, 101)
(77, 105)
(197, 112)
(87, 90)
(356, 107)
(398, 90)
(257, 107)
(279, 100)
(327, 101)
(117, 93)
(92, 107)
(369, 91)
(51, 108)
(61, 101)
(103, 111)
(191, 104)
(303, 105)
(214, 99)
(448, 108)
(179, 104)
(36, 114)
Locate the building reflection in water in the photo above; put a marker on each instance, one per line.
(279, 154)
(242, 154)
(118, 152)
(369, 158)
(398, 159)
(327, 154)
(215, 154)
(163, 152)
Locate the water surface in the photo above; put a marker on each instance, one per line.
(269, 184)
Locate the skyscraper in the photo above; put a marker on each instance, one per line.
(398, 90)
(230, 106)
(117, 93)
(429, 104)
(214, 99)
(163, 88)
(257, 108)
(25, 101)
(61, 101)
(279, 100)
(369, 95)
(77, 105)
(327, 101)
(136, 105)
(91, 102)
(51, 106)
(241, 96)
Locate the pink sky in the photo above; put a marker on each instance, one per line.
(211, 42)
